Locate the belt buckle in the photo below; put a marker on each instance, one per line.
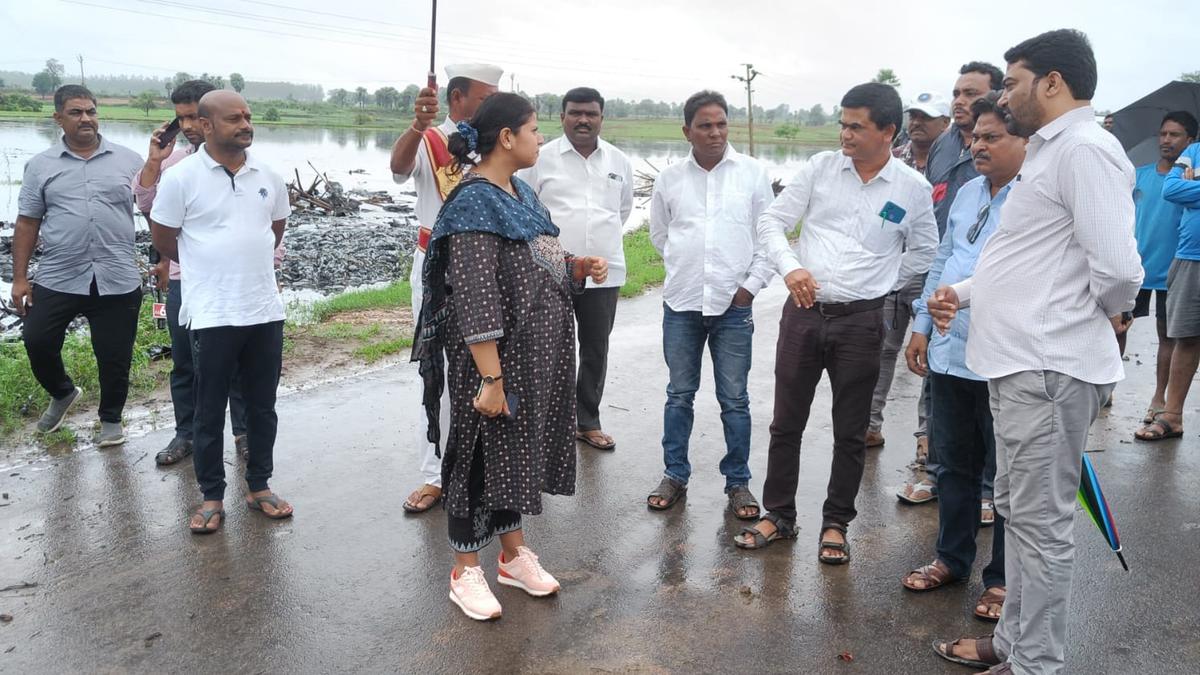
(821, 311)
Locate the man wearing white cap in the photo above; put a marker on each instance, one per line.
(928, 117)
(421, 153)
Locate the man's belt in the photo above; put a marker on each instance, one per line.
(423, 236)
(834, 309)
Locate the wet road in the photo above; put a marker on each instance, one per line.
(352, 585)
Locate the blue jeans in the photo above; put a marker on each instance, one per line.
(730, 337)
(965, 440)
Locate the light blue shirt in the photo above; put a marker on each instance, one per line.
(1156, 227)
(1186, 193)
(955, 261)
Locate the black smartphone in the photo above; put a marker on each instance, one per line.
(513, 402)
(167, 137)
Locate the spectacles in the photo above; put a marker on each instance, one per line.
(973, 233)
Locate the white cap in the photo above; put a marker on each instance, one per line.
(934, 105)
(480, 72)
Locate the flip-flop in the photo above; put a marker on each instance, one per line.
(426, 490)
(919, 486)
(987, 506)
(208, 515)
(582, 436)
(1151, 413)
(273, 500)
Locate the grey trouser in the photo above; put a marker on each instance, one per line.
(897, 312)
(1041, 420)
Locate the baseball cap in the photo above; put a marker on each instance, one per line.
(934, 105)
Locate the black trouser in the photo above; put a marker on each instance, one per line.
(112, 322)
(963, 413)
(595, 311)
(218, 353)
(183, 395)
(848, 347)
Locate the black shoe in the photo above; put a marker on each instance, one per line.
(175, 451)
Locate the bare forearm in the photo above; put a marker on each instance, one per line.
(487, 358)
(24, 241)
(166, 240)
(278, 227)
(151, 171)
(404, 153)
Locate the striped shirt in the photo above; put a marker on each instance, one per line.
(1062, 261)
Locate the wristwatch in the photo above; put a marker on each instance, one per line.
(489, 379)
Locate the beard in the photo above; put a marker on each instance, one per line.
(1026, 117)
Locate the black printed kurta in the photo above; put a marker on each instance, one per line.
(517, 293)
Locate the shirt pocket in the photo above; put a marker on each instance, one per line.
(114, 190)
(736, 207)
(881, 236)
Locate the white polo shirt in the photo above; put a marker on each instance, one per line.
(226, 243)
(589, 199)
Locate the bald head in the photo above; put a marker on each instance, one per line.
(217, 100)
(225, 118)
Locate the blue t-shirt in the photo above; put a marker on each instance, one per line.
(1156, 226)
(1186, 193)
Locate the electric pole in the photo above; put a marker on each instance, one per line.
(751, 73)
(512, 82)
(82, 82)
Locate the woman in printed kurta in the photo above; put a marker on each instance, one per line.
(497, 304)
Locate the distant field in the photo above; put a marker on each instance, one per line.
(374, 118)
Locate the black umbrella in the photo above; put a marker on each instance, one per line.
(1136, 125)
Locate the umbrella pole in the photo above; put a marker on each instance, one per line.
(1122, 559)
(432, 79)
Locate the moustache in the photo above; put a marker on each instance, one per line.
(583, 127)
(983, 156)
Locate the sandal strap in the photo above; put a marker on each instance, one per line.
(760, 539)
(667, 489)
(741, 497)
(785, 527)
(933, 574)
(983, 647)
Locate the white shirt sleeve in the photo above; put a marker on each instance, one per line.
(921, 243)
(788, 209)
(626, 190)
(283, 206)
(417, 171)
(660, 217)
(169, 207)
(761, 269)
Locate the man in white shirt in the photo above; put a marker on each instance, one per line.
(421, 154)
(868, 227)
(1048, 292)
(220, 214)
(587, 184)
(702, 217)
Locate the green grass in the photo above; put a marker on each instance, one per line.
(376, 118)
(395, 294)
(643, 265)
(19, 389)
(377, 350)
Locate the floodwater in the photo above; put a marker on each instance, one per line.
(356, 158)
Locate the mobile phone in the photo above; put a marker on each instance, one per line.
(513, 402)
(167, 137)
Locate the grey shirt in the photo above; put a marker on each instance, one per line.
(86, 209)
(950, 166)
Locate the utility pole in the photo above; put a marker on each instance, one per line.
(81, 80)
(512, 82)
(751, 73)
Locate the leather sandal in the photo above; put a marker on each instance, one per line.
(934, 576)
(992, 596)
(983, 649)
(783, 530)
(741, 500)
(417, 498)
(823, 544)
(668, 491)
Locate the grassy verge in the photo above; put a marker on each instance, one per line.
(22, 398)
(374, 118)
(396, 294)
(643, 265)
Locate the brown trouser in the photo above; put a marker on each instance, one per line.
(848, 346)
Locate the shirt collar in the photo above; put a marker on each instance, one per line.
(566, 146)
(887, 173)
(1066, 120)
(101, 149)
(250, 165)
(731, 156)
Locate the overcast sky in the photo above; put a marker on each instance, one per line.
(660, 49)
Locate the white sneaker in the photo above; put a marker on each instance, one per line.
(526, 573)
(471, 593)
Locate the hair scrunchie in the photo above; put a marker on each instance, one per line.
(470, 134)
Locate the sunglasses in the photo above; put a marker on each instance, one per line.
(973, 233)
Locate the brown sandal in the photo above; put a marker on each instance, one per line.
(935, 575)
(415, 500)
(983, 649)
(1158, 430)
(992, 596)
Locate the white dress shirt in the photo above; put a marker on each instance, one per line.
(851, 250)
(226, 242)
(429, 200)
(589, 199)
(1063, 260)
(702, 223)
